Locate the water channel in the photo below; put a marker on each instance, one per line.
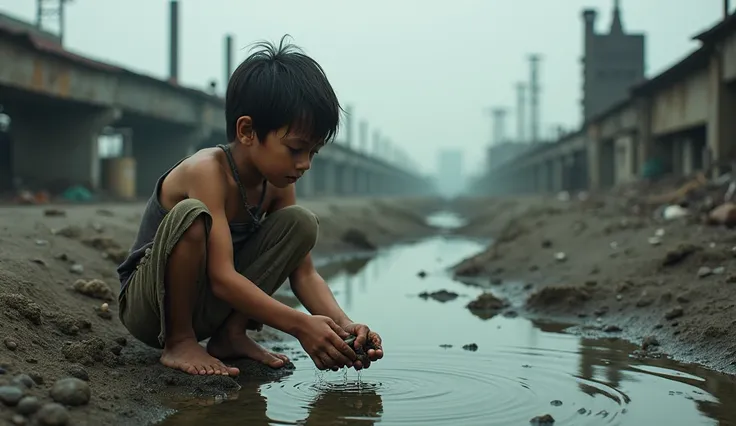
(520, 369)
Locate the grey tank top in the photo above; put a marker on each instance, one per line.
(154, 213)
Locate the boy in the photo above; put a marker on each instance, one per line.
(206, 261)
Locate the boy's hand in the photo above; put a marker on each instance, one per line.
(323, 340)
(362, 335)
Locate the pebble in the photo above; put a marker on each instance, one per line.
(556, 403)
(77, 268)
(612, 328)
(719, 270)
(673, 313)
(122, 341)
(71, 391)
(704, 271)
(28, 405)
(18, 420)
(10, 344)
(3, 371)
(76, 370)
(41, 242)
(24, 380)
(649, 342)
(10, 395)
(561, 257)
(53, 414)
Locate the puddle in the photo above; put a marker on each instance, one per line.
(521, 369)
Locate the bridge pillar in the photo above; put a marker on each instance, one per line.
(306, 186)
(156, 148)
(57, 148)
(346, 184)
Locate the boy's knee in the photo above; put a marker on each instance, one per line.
(196, 234)
(304, 225)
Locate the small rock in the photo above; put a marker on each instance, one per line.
(42, 242)
(644, 301)
(78, 371)
(39, 261)
(560, 256)
(18, 420)
(582, 411)
(10, 344)
(63, 257)
(731, 279)
(591, 283)
(542, 420)
(612, 329)
(673, 313)
(71, 391)
(53, 414)
(2, 371)
(28, 405)
(116, 350)
(54, 213)
(546, 243)
(36, 377)
(471, 347)
(655, 241)
(659, 233)
(10, 395)
(704, 271)
(440, 296)
(24, 380)
(719, 270)
(76, 268)
(422, 274)
(556, 403)
(619, 297)
(122, 341)
(649, 342)
(682, 299)
(679, 254)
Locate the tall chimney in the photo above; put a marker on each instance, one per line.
(521, 112)
(174, 41)
(726, 9)
(228, 59)
(534, 97)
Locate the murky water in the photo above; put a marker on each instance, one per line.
(520, 369)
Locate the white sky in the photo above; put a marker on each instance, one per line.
(421, 72)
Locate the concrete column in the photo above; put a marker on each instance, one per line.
(646, 145)
(330, 177)
(347, 179)
(594, 157)
(349, 127)
(305, 187)
(56, 148)
(157, 148)
(721, 130)
(363, 136)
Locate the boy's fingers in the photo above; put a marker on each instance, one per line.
(337, 329)
(344, 349)
(361, 337)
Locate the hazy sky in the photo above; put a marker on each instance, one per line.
(421, 72)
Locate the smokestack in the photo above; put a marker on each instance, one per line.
(228, 59)
(726, 9)
(499, 122)
(534, 97)
(174, 41)
(521, 112)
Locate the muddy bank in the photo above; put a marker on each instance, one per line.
(58, 310)
(614, 265)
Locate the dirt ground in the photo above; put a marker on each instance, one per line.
(613, 266)
(58, 342)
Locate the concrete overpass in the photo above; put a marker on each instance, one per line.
(60, 102)
(681, 118)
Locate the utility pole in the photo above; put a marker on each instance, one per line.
(521, 112)
(51, 12)
(534, 96)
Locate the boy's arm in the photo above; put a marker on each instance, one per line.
(306, 283)
(205, 183)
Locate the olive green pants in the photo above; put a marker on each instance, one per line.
(267, 258)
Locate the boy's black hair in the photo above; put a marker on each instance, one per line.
(281, 86)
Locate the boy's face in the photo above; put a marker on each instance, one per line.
(283, 158)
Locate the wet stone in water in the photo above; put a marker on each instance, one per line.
(471, 347)
(53, 414)
(556, 403)
(17, 419)
(10, 395)
(544, 420)
(71, 391)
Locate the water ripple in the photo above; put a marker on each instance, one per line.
(447, 387)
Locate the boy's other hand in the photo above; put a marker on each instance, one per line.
(363, 334)
(324, 341)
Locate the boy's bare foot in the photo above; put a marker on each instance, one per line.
(188, 356)
(241, 345)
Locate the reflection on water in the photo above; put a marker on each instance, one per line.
(521, 369)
